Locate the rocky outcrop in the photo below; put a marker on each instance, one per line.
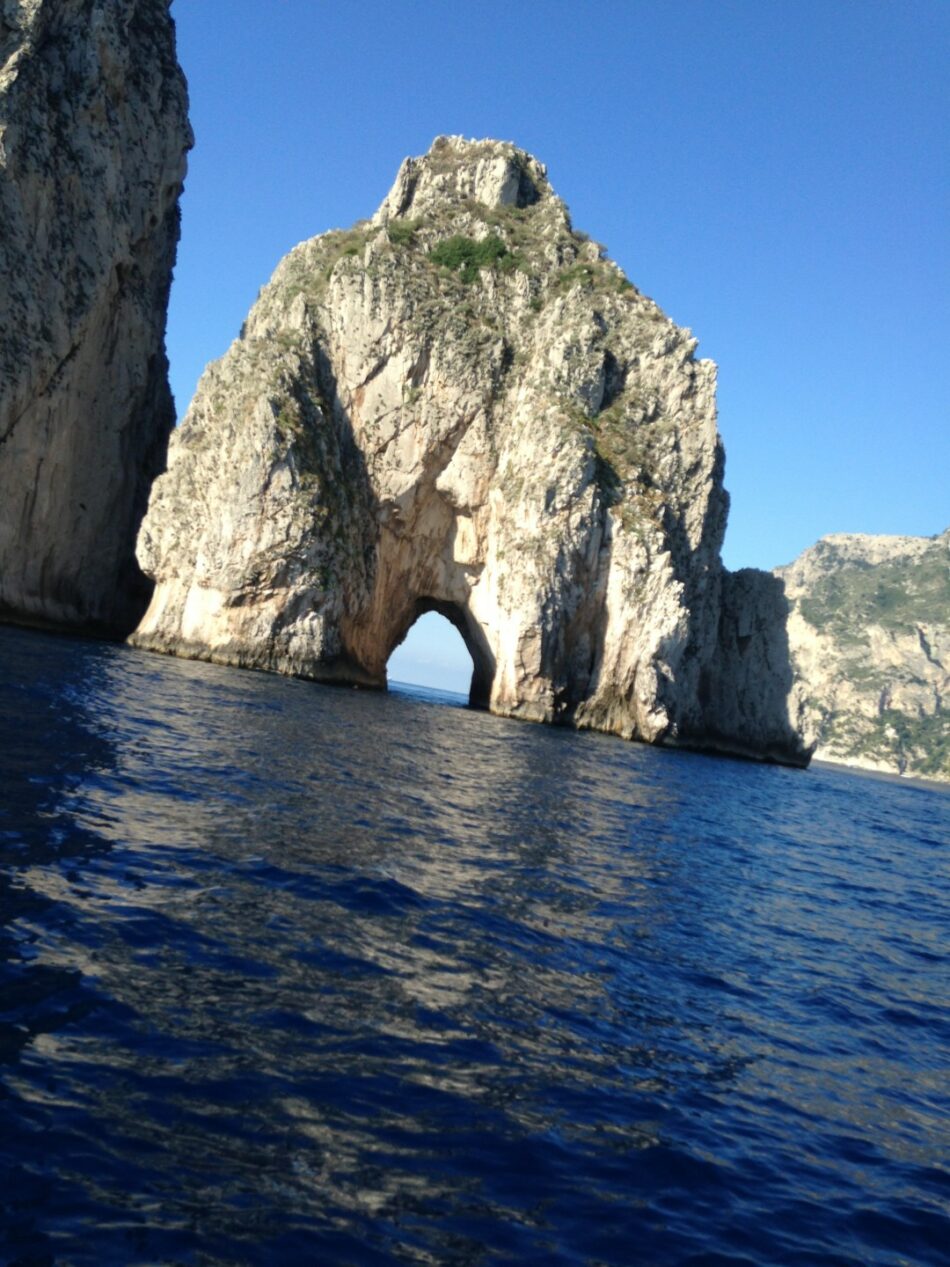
(869, 632)
(747, 686)
(93, 135)
(462, 405)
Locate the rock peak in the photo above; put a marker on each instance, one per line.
(457, 170)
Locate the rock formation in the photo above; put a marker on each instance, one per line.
(869, 633)
(461, 405)
(93, 135)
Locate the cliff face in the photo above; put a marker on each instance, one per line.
(93, 135)
(747, 686)
(461, 405)
(870, 639)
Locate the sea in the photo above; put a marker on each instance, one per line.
(296, 974)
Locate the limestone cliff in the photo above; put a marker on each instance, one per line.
(870, 638)
(462, 405)
(93, 134)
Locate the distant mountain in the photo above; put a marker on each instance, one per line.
(869, 633)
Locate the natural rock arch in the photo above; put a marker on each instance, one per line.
(473, 636)
(463, 403)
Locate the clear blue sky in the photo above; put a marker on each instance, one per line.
(775, 173)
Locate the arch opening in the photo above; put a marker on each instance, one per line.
(437, 658)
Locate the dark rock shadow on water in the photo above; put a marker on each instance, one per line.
(295, 973)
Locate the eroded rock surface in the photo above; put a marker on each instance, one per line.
(93, 135)
(462, 405)
(870, 638)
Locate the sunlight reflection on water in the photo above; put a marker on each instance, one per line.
(291, 972)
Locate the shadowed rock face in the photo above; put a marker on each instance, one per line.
(461, 405)
(93, 135)
(748, 683)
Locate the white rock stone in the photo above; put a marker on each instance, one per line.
(529, 447)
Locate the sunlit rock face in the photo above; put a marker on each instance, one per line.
(870, 639)
(462, 405)
(93, 135)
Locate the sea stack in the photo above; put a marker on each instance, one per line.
(462, 405)
(93, 136)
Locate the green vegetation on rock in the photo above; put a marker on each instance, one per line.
(308, 269)
(466, 256)
(598, 275)
(872, 654)
(403, 232)
(857, 594)
(913, 745)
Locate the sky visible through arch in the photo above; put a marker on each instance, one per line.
(775, 175)
(433, 654)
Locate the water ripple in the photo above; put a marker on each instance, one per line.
(298, 974)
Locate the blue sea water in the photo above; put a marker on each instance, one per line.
(293, 974)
